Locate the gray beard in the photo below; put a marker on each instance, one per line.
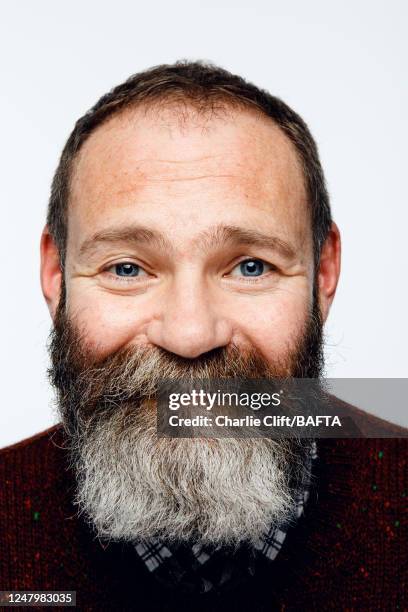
(133, 485)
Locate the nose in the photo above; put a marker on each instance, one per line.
(189, 323)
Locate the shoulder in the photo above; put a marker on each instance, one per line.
(41, 442)
(35, 440)
(368, 425)
(366, 478)
(34, 463)
(375, 448)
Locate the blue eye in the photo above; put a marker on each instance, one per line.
(251, 268)
(127, 269)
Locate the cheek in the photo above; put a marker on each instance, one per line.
(272, 323)
(108, 322)
(275, 326)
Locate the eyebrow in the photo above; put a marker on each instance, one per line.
(130, 235)
(234, 235)
(214, 237)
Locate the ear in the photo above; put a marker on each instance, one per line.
(51, 273)
(329, 270)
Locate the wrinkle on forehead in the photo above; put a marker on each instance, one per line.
(139, 158)
(192, 148)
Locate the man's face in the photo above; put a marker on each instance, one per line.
(189, 252)
(162, 219)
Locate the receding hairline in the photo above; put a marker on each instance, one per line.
(184, 109)
(208, 88)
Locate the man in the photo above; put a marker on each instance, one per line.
(189, 234)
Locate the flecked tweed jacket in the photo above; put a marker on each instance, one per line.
(349, 550)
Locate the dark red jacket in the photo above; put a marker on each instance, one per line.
(348, 552)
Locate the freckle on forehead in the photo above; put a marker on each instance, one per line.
(144, 160)
(121, 150)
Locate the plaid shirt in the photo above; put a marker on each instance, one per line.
(201, 568)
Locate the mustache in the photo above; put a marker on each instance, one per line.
(138, 371)
(89, 388)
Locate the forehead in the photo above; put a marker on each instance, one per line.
(171, 165)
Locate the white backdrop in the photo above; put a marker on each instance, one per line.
(341, 65)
